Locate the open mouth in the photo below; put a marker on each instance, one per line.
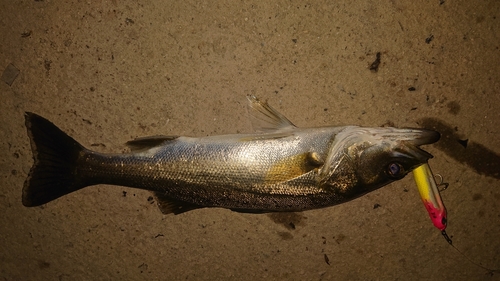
(418, 137)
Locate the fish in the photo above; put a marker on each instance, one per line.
(277, 168)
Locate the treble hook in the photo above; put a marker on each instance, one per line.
(445, 235)
(442, 184)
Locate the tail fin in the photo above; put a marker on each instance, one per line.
(55, 157)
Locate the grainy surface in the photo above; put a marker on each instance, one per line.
(109, 71)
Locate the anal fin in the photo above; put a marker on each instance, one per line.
(168, 205)
(250, 211)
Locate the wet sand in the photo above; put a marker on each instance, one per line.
(110, 71)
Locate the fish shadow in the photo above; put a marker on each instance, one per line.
(482, 160)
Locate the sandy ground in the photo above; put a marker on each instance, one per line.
(110, 71)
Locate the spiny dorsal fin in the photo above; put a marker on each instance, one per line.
(168, 205)
(264, 118)
(148, 142)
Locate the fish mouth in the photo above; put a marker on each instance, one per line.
(411, 136)
(409, 140)
(417, 137)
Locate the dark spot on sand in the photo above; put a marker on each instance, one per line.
(288, 219)
(376, 63)
(429, 39)
(453, 107)
(327, 260)
(339, 238)
(26, 34)
(477, 196)
(43, 264)
(47, 64)
(285, 235)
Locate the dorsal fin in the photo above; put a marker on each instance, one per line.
(264, 118)
(148, 142)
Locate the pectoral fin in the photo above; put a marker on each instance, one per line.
(264, 118)
(293, 167)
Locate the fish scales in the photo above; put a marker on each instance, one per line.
(216, 168)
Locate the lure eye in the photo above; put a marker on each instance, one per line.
(395, 170)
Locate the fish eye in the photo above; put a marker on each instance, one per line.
(395, 170)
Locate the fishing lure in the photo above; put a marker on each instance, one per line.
(431, 198)
(429, 193)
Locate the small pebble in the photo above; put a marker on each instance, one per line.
(10, 74)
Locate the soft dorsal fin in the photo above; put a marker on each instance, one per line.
(264, 118)
(168, 205)
(148, 142)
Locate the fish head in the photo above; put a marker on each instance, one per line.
(363, 159)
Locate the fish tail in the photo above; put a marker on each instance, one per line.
(55, 156)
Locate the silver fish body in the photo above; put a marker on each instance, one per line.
(283, 168)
